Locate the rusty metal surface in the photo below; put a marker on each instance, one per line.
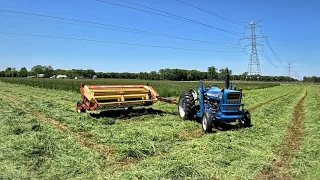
(167, 100)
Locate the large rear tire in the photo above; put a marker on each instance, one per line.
(186, 106)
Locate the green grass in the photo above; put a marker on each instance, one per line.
(233, 154)
(33, 149)
(307, 163)
(157, 142)
(164, 88)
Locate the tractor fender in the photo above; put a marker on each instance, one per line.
(194, 94)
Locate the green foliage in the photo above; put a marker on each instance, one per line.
(164, 88)
(162, 74)
(31, 149)
(212, 73)
(313, 79)
(23, 72)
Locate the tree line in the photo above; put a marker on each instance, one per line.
(212, 73)
(313, 79)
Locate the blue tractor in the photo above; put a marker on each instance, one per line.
(214, 105)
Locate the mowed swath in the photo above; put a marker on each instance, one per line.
(154, 139)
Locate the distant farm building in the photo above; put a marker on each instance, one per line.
(40, 76)
(62, 76)
(79, 77)
(94, 77)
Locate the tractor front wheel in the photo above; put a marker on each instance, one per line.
(207, 122)
(246, 121)
(186, 105)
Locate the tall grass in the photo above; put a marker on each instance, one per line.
(164, 88)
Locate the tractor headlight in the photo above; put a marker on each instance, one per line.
(220, 95)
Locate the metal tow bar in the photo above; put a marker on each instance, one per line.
(167, 100)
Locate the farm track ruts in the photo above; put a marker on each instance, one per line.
(106, 152)
(280, 169)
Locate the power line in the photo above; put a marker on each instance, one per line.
(274, 53)
(112, 42)
(268, 59)
(112, 27)
(169, 15)
(210, 12)
(264, 68)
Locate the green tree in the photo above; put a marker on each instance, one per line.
(212, 73)
(23, 72)
(8, 72)
(47, 71)
(38, 69)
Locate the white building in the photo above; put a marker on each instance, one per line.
(62, 76)
(40, 75)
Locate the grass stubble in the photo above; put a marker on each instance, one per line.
(152, 150)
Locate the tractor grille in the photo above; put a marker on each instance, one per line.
(233, 98)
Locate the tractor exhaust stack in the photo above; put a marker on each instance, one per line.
(227, 79)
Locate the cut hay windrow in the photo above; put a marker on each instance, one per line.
(280, 169)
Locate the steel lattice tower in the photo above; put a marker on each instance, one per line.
(254, 63)
(289, 69)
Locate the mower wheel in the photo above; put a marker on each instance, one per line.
(80, 103)
(206, 122)
(186, 105)
(246, 121)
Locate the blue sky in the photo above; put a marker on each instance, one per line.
(292, 27)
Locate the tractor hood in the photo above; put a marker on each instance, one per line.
(215, 92)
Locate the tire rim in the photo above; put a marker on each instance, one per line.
(182, 108)
(204, 123)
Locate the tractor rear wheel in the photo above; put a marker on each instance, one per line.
(206, 122)
(186, 105)
(246, 121)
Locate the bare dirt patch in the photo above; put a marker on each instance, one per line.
(280, 169)
(189, 135)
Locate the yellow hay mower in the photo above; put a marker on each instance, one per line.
(99, 97)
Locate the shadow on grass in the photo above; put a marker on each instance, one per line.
(229, 127)
(220, 126)
(129, 113)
